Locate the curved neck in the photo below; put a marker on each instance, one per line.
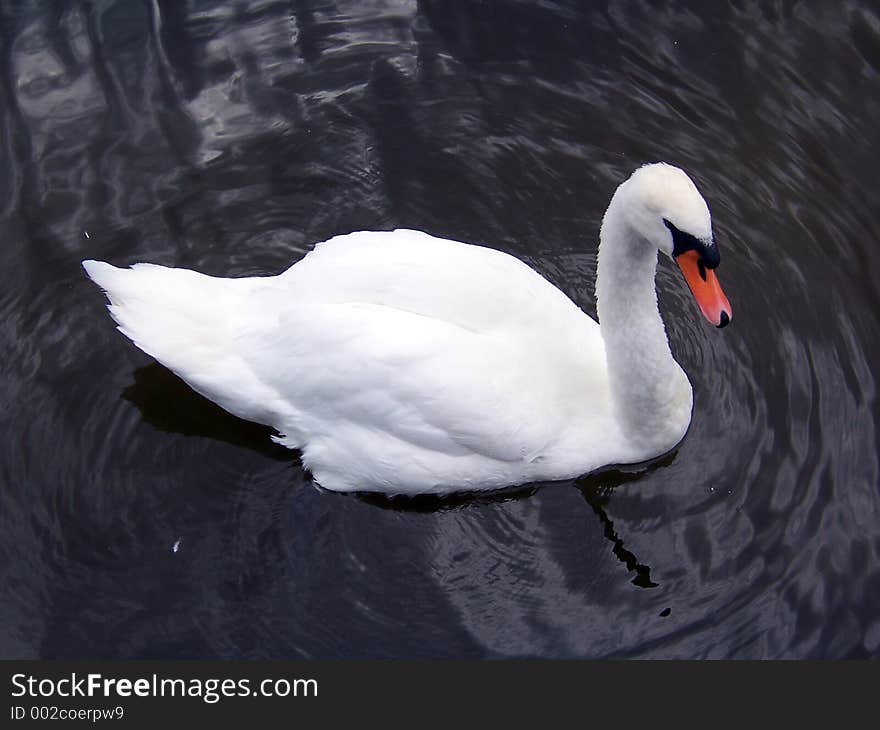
(650, 392)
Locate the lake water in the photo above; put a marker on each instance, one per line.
(140, 521)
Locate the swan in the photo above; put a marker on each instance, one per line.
(402, 363)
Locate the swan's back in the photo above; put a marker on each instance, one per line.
(472, 286)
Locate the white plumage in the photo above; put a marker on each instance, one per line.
(404, 363)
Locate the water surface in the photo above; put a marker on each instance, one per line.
(140, 521)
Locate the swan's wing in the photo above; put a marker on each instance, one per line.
(452, 351)
(421, 380)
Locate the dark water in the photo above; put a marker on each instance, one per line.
(138, 520)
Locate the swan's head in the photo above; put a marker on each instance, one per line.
(665, 207)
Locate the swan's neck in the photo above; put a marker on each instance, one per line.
(650, 392)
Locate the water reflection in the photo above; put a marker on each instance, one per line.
(169, 405)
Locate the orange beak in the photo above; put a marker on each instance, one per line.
(705, 288)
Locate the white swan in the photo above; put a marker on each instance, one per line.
(402, 363)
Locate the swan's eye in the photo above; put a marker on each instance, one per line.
(681, 242)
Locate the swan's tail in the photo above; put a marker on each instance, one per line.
(176, 315)
(186, 320)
